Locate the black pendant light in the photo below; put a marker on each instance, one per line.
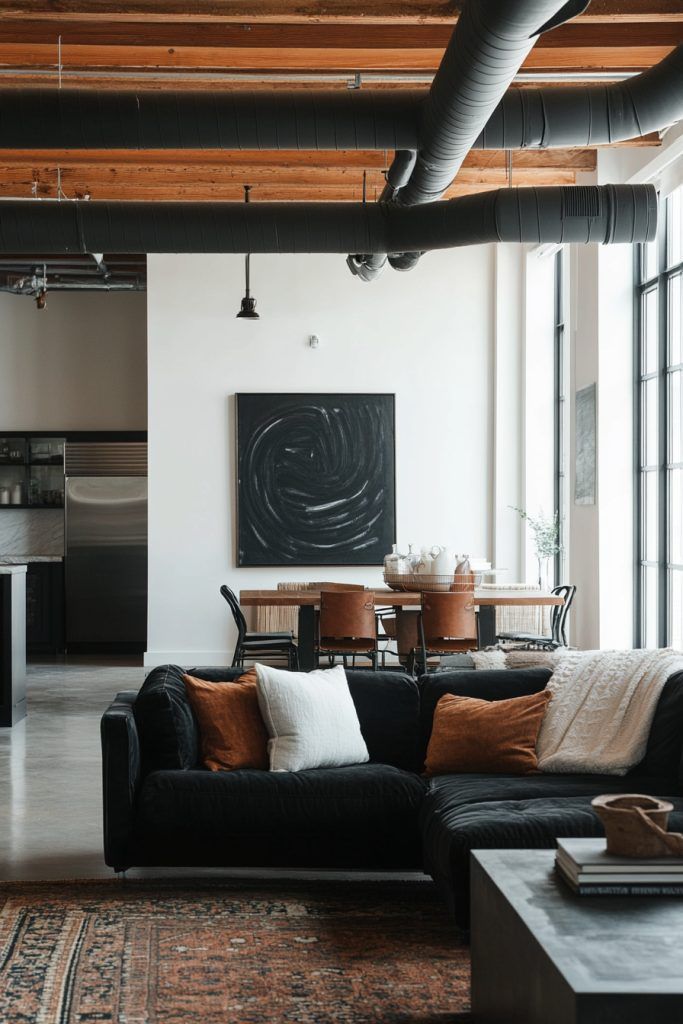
(248, 304)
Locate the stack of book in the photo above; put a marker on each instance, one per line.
(589, 870)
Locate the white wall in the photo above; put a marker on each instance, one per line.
(80, 364)
(427, 336)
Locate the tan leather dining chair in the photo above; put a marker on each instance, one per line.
(347, 626)
(447, 625)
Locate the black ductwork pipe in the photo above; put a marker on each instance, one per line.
(593, 115)
(84, 119)
(324, 120)
(490, 42)
(607, 213)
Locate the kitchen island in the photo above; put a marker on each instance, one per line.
(12, 644)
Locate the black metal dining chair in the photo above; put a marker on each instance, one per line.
(558, 624)
(258, 645)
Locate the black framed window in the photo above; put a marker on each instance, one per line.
(560, 412)
(659, 422)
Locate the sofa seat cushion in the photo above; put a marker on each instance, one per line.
(320, 800)
(518, 813)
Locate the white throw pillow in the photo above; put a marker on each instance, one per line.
(311, 719)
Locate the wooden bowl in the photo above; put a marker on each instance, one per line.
(635, 825)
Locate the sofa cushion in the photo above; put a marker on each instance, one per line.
(166, 724)
(215, 805)
(231, 730)
(496, 684)
(310, 718)
(387, 704)
(465, 813)
(494, 736)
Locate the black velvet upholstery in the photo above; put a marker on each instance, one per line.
(452, 828)
(170, 739)
(388, 709)
(168, 734)
(161, 808)
(359, 799)
(120, 777)
(663, 754)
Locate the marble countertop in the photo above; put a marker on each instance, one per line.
(25, 559)
(11, 570)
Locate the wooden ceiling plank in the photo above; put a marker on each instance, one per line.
(354, 36)
(292, 59)
(577, 159)
(414, 12)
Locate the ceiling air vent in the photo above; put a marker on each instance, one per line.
(582, 201)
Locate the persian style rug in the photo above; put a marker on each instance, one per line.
(229, 952)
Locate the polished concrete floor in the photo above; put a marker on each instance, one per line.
(50, 774)
(50, 778)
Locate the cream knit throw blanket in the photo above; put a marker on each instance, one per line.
(602, 708)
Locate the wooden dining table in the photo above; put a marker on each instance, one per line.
(486, 602)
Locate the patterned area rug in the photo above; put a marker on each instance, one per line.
(225, 952)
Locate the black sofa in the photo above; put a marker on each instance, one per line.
(161, 808)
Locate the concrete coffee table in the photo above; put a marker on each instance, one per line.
(542, 955)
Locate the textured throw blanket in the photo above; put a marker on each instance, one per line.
(602, 708)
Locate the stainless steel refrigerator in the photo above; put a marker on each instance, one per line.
(105, 510)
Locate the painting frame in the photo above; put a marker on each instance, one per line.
(245, 556)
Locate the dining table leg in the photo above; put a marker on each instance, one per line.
(306, 637)
(487, 626)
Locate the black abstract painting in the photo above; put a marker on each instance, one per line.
(315, 479)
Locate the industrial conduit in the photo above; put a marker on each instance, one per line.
(323, 120)
(490, 42)
(297, 120)
(593, 115)
(606, 213)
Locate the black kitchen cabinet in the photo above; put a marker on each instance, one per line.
(45, 608)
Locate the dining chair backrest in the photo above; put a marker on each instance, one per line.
(347, 614)
(560, 613)
(448, 616)
(237, 614)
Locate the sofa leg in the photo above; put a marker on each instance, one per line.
(120, 872)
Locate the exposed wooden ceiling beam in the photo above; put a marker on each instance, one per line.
(310, 11)
(340, 36)
(176, 175)
(577, 159)
(300, 58)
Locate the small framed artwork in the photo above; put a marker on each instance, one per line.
(315, 479)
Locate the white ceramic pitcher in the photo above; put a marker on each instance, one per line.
(444, 561)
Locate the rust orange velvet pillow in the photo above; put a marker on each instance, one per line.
(471, 735)
(231, 731)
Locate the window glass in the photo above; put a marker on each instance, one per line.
(675, 517)
(651, 333)
(674, 228)
(660, 375)
(649, 261)
(651, 604)
(676, 319)
(675, 421)
(651, 508)
(676, 616)
(650, 421)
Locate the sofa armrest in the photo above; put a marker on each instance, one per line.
(120, 777)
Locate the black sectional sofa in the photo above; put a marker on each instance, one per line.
(162, 808)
